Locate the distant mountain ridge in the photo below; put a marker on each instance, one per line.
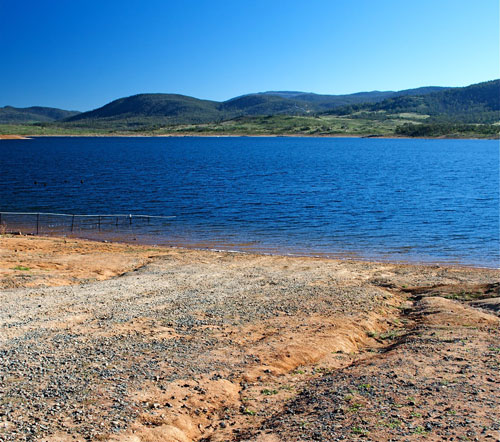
(331, 101)
(16, 115)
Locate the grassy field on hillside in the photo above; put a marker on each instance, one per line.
(363, 124)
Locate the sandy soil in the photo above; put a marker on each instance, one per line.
(45, 262)
(13, 137)
(129, 343)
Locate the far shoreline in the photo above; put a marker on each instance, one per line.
(139, 135)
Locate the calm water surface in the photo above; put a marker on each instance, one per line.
(403, 200)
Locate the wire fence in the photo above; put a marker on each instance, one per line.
(43, 223)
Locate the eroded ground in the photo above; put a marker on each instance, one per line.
(41, 261)
(114, 342)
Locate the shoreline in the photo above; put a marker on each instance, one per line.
(384, 137)
(345, 257)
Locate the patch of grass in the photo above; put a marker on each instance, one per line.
(22, 268)
(359, 430)
(249, 412)
(420, 430)
(268, 392)
(394, 423)
(389, 335)
(411, 400)
(354, 408)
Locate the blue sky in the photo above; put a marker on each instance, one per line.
(81, 54)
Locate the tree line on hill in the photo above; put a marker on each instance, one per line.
(479, 103)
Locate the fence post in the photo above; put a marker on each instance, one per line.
(99, 223)
(130, 218)
(37, 223)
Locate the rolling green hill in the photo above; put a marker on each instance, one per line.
(475, 104)
(16, 115)
(171, 107)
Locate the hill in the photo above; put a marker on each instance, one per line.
(172, 108)
(474, 104)
(35, 114)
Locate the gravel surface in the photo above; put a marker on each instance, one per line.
(145, 355)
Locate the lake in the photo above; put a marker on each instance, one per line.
(429, 201)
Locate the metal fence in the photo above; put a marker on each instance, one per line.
(40, 223)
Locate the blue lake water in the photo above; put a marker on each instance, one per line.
(433, 201)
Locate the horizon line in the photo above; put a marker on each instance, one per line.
(242, 95)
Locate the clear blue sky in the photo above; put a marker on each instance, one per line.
(81, 54)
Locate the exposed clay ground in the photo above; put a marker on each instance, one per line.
(46, 262)
(114, 342)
